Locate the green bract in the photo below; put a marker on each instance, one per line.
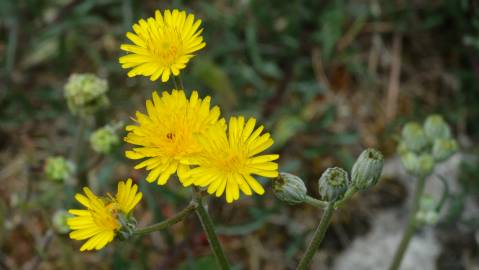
(289, 188)
(333, 183)
(367, 169)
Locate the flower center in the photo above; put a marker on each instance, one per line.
(233, 163)
(107, 217)
(166, 46)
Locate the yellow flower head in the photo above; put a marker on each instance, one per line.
(99, 222)
(162, 45)
(229, 160)
(167, 133)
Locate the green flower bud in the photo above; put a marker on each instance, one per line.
(426, 164)
(427, 213)
(402, 149)
(104, 140)
(128, 226)
(436, 128)
(367, 169)
(86, 94)
(410, 161)
(59, 169)
(443, 149)
(59, 221)
(289, 188)
(333, 183)
(413, 137)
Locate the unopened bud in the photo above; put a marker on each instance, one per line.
(59, 169)
(436, 128)
(86, 94)
(443, 149)
(59, 221)
(410, 161)
(427, 213)
(367, 169)
(426, 164)
(333, 183)
(289, 188)
(413, 137)
(104, 140)
(402, 149)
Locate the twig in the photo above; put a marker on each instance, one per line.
(348, 38)
(318, 68)
(394, 76)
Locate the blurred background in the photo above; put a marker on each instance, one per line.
(327, 78)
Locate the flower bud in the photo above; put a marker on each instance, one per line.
(86, 94)
(104, 140)
(402, 149)
(289, 188)
(436, 128)
(413, 137)
(59, 221)
(410, 161)
(426, 164)
(333, 183)
(367, 169)
(128, 226)
(59, 169)
(427, 213)
(443, 149)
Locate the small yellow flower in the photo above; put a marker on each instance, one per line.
(162, 45)
(99, 222)
(167, 133)
(229, 160)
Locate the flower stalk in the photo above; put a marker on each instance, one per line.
(209, 229)
(318, 236)
(178, 82)
(349, 193)
(411, 225)
(315, 202)
(168, 222)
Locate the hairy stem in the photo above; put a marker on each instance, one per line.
(411, 225)
(168, 222)
(346, 197)
(315, 202)
(318, 236)
(209, 229)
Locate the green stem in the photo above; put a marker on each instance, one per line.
(346, 197)
(209, 229)
(317, 237)
(411, 225)
(175, 82)
(168, 222)
(178, 82)
(445, 194)
(315, 202)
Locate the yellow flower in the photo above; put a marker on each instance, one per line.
(229, 160)
(162, 45)
(167, 134)
(99, 222)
